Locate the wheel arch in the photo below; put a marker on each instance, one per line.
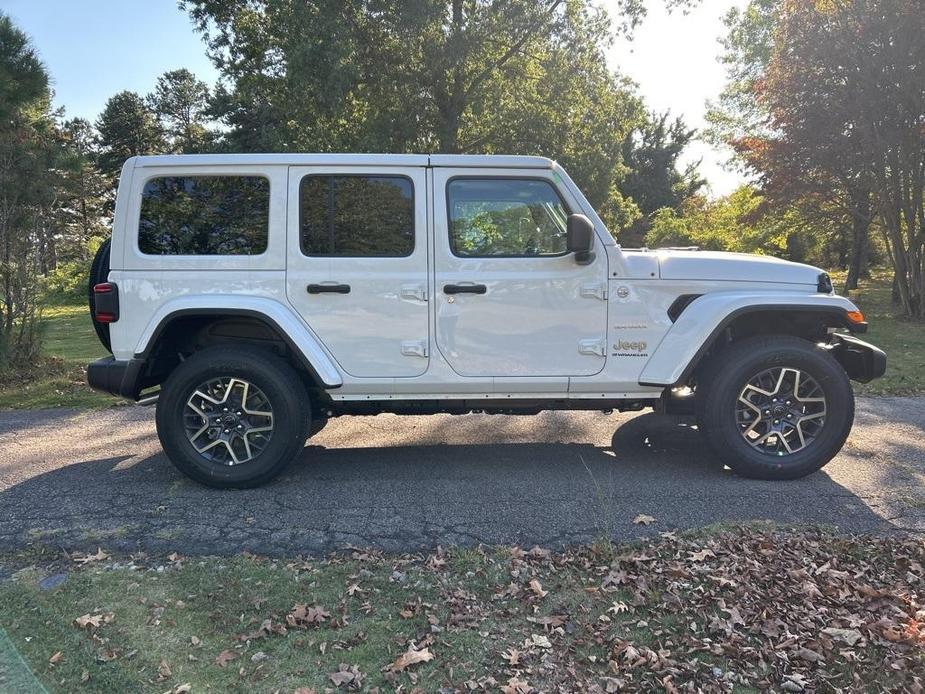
(710, 322)
(269, 324)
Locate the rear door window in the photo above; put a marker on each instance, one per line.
(356, 216)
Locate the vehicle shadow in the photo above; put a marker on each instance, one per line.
(406, 498)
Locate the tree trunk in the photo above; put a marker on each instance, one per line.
(860, 234)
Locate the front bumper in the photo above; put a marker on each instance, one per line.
(116, 376)
(861, 360)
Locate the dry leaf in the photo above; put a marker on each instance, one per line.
(163, 670)
(303, 616)
(643, 519)
(225, 657)
(516, 686)
(56, 658)
(409, 658)
(87, 558)
(93, 621)
(512, 656)
(702, 555)
(537, 588)
(849, 636)
(348, 675)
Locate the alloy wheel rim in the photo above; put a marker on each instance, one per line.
(781, 411)
(228, 421)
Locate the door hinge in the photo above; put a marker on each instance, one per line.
(594, 291)
(592, 346)
(414, 348)
(414, 291)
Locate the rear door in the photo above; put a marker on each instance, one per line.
(357, 265)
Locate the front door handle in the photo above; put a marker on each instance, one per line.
(329, 288)
(465, 289)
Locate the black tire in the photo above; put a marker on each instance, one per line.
(721, 381)
(260, 368)
(317, 424)
(99, 272)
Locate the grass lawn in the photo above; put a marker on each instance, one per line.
(60, 380)
(902, 340)
(70, 344)
(742, 609)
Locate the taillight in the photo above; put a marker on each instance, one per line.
(106, 302)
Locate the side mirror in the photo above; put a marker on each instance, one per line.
(579, 238)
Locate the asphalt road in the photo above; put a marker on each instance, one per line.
(77, 480)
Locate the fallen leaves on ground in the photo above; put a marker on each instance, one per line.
(347, 676)
(751, 609)
(93, 621)
(409, 658)
(225, 657)
(100, 555)
(643, 519)
(306, 616)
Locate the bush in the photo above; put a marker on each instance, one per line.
(68, 280)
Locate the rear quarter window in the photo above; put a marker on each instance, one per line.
(204, 215)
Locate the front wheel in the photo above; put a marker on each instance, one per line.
(775, 408)
(232, 416)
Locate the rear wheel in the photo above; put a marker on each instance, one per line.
(775, 407)
(232, 416)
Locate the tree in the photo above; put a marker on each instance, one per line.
(180, 101)
(23, 78)
(740, 222)
(654, 180)
(84, 191)
(454, 76)
(127, 128)
(835, 195)
(846, 98)
(26, 189)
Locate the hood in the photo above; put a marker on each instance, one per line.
(737, 267)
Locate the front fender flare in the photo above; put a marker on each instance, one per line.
(297, 335)
(705, 318)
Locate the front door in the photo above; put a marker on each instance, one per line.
(511, 301)
(357, 265)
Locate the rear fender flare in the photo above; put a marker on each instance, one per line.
(297, 335)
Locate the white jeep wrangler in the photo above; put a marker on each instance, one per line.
(257, 296)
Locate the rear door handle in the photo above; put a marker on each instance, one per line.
(329, 288)
(465, 289)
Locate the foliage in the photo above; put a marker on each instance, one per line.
(837, 113)
(809, 111)
(747, 608)
(27, 181)
(180, 101)
(127, 127)
(431, 75)
(654, 180)
(85, 196)
(727, 224)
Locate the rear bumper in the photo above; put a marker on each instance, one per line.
(861, 360)
(116, 376)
